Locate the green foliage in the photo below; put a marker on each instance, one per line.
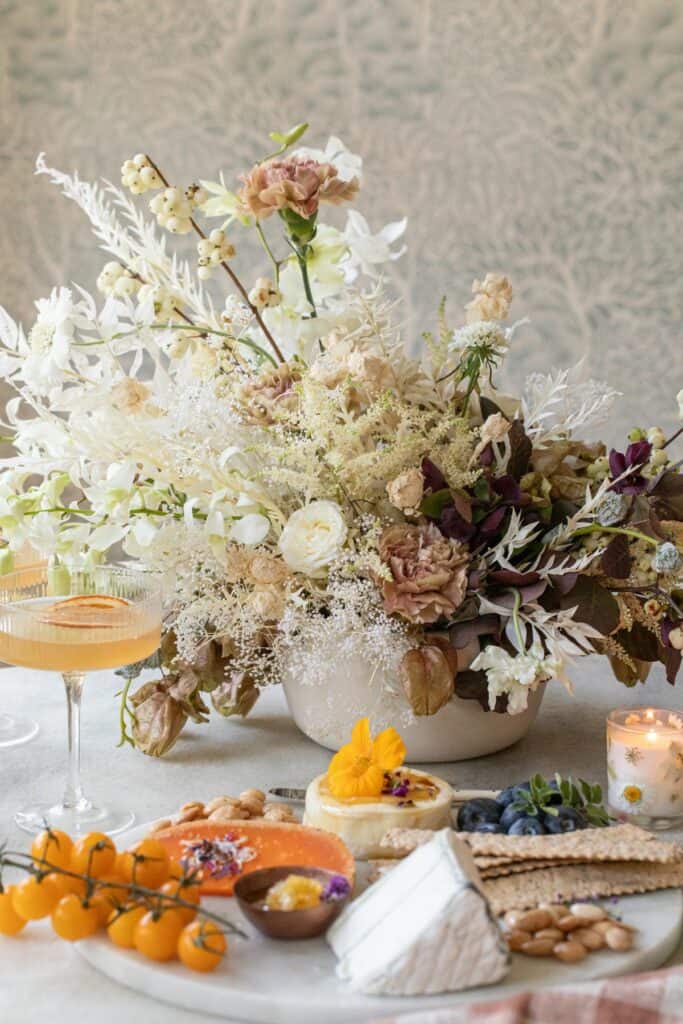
(581, 795)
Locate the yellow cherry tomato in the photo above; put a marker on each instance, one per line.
(10, 922)
(156, 937)
(33, 899)
(73, 920)
(175, 869)
(122, 924)
(53, 846)
(202, 946)
(189, 893)
(93, 855)
(145, 863)
(66, 884)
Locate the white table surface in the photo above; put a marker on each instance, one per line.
(42, 978)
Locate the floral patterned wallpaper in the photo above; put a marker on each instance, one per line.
(538, 137)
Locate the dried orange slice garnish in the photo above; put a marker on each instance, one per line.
(87, 611)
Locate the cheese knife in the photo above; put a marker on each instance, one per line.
(460, 796)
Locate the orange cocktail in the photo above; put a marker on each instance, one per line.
(77, 634)
(75, 621)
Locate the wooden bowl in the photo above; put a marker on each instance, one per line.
(251, 890)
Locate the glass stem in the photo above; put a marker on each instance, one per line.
(73, 683)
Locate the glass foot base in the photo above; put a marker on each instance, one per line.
(14, 731)
(76, 821)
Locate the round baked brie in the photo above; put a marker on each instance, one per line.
(411, 799)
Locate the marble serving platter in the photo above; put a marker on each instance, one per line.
(265, 981)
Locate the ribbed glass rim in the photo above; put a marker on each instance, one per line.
(37, 575)
(613, 719)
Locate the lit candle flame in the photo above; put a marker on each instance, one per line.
(649, 715)
(651, 736)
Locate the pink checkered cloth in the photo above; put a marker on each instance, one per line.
(654, 998)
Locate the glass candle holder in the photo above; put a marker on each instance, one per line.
(645, 766)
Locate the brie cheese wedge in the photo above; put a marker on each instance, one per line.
(414, 800)
(423, 928)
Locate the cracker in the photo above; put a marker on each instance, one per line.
(519, 867)
(379, 868)
(399, 842)
(617, 843)
(579, 882)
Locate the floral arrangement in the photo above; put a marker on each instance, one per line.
(301, 478)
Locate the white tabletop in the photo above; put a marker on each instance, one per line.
(44, 978)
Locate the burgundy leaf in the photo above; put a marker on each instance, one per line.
(491, 524)
(532, 591)
(668, 496)
(462, 632)
(565, 582)
(520, 450)
(433, 477)
(594, 604)
(616, 560)
(471, 685)
(671, 660)
(452, 525)
(508, 489)
(486, 455)
(513, 579)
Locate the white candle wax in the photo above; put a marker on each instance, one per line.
(645, 763)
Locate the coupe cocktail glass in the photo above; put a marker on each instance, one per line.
(75, 621)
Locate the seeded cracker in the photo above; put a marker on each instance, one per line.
(579, 882)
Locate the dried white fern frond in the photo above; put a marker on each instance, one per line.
(560, 403)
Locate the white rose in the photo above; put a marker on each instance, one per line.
(313, 537)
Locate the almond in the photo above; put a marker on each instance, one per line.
(571, 951)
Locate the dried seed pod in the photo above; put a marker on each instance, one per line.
(534, 920)
(517, 938)
(588, 911)
(538, 947)
(590, 938)
(619, 939)
(191, 811)
(571, 951)
(427, 678)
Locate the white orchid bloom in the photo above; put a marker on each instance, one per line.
(367, 252)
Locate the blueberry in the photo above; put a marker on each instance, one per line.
(511, 814)
(478, 812)
(567, 819)
(506, 796)
(556, 798)
(489, 826)
(527, 827)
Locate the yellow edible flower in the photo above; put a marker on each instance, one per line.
(358, 768)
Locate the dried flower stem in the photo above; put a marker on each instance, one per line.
(233, 276)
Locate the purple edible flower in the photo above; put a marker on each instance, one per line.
(338, 888)
(401, 789)
(635, 456)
